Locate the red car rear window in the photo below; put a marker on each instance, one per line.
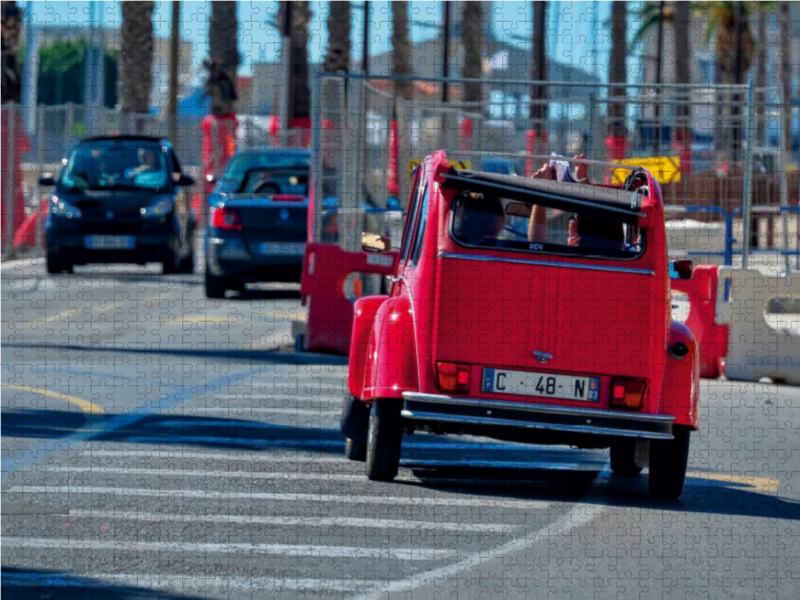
(484, 220)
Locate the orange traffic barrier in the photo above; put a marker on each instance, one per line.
(713, 338)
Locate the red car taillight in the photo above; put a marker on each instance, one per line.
(627, 393)
(226, 218)
(453, 377)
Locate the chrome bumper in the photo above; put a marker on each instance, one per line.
(435, 408)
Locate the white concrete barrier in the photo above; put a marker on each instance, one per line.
(687, 235)
(757, 348)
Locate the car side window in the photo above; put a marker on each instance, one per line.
(416, 250)
(411, 219)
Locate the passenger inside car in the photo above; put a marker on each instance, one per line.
(585, 230)
(479, 217)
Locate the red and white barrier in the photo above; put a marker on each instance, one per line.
(712, 337)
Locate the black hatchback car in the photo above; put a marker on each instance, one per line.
(118, 200)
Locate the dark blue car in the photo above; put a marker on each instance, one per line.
(258, 219)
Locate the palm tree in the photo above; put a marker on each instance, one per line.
(683, 52)
(539, 109)
(400, 144)
(299, 92)
(11, 89)
(472, 26)
(223, 57)
(135, 78)
(401, 49)
(337, 56)
(618, 72)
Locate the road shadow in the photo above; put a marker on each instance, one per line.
(540, 482)
(270, 356)
(178, 430)
(28, 584)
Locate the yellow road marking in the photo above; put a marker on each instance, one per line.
(762, 484)
(84, 405)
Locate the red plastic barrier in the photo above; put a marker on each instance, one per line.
(12, 161)
(330, 312)
(712, 338)
(25, 236)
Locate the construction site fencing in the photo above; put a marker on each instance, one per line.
(370, 131)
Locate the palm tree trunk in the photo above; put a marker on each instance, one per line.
(11, 88)
(223, 52)
(472, 26)
(618, 69)
(337, 56)
(539, 109)
(682, 74)
(299, 92)
(400, 146)
(401, 49)
(135, 79)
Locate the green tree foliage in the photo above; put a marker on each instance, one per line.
(62, 74)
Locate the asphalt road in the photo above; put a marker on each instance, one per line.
(159, 445)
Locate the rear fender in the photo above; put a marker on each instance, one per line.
(680, 388)
(392, 366)
(364, 312)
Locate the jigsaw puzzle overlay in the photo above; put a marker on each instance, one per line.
(400, 300)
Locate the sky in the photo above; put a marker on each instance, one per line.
(571, 25)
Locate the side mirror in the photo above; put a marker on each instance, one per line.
(681, 269)
(373, 242)
(185, 180)
(47, 180)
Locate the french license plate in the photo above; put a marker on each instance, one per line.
(110, 242)
(281, 248)
(544, 385)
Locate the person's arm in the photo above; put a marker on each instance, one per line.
(537, 224)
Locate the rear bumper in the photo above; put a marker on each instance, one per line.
(449, 414)
(230, 257)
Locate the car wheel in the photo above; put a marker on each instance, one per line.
(171, 265)
(187, 264)
(215, 286)
(354, 450)
(384, 439)
(55, 265)
(355, 418)
(628, 457)
(668, 460)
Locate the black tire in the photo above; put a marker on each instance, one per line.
(187, 264)
(171, 265)
(215, 286)
(355, 419)
(354, 450)
(626, 457)
(668, 461)
(55, 265)
(384, 439)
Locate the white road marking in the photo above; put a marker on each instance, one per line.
(287, 521)
(580, 514)
(287, 550)
(449, 501)
(186, 584)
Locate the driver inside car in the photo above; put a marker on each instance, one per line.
(480, 217)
